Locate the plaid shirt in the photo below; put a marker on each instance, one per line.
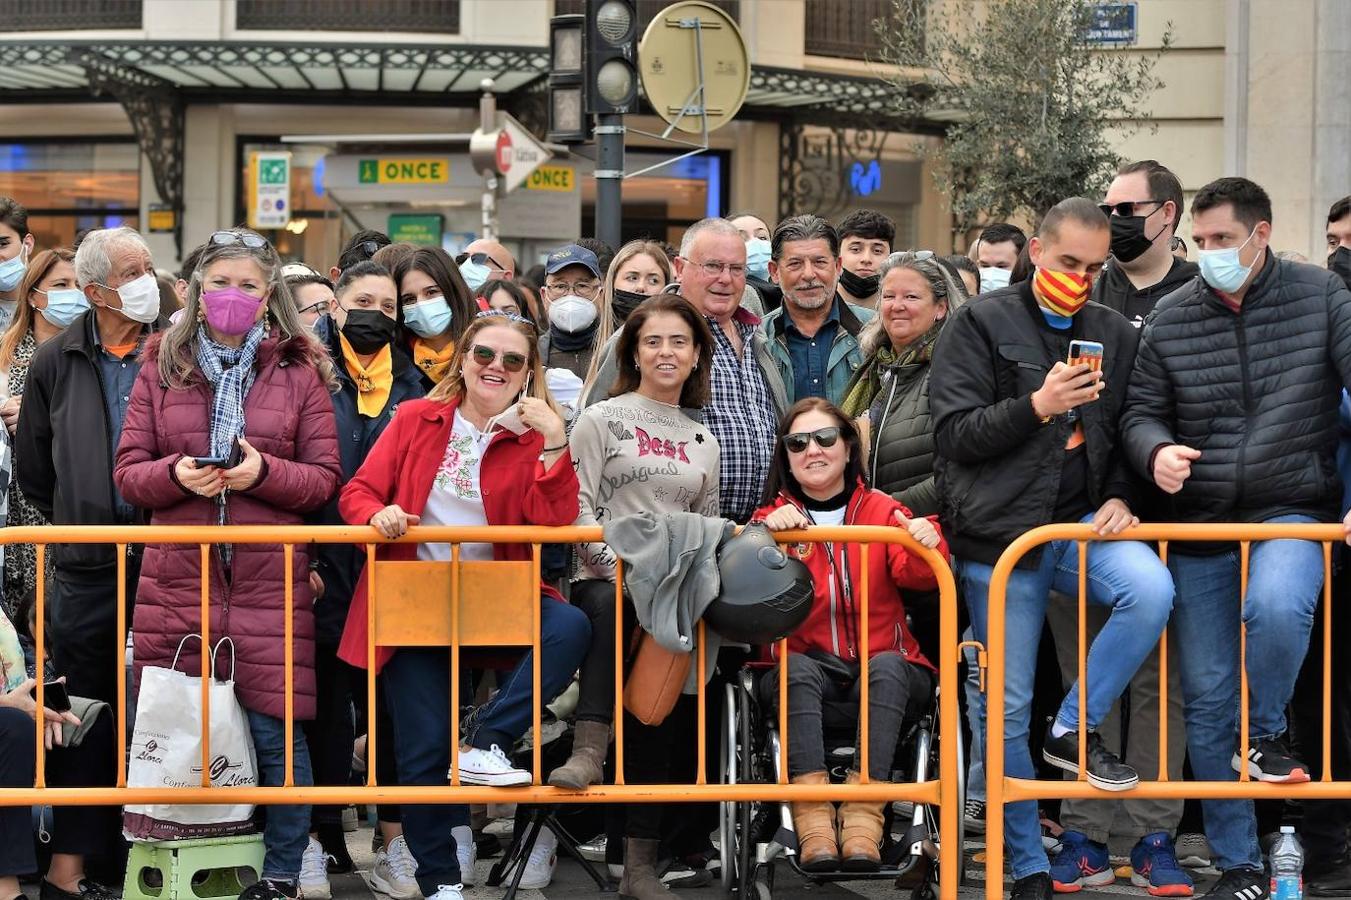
(741, 416)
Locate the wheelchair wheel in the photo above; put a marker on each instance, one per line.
(729, 771)
(746, 837)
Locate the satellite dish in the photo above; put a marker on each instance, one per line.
(669, 56)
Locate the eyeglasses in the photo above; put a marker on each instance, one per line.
(511, 361)
(247, 238)
(715, 269)
(1126, 207)
(480, 259)
(318, 306)
(825, 437)
(584, 289)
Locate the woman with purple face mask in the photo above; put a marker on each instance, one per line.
(230, 422)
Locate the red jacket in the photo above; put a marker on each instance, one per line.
(400, 470)
(832, 624)
(289, 420)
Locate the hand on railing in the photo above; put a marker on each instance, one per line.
(1114, 517)
(393, 522)
(921, 529)
(786, 518)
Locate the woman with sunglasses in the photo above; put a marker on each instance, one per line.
(486, 447)
(816, 479)
(889, 394)
(230, 422)
(435, 307)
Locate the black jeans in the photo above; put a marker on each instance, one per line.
(897, 689)
(84, 830)
(596, 685)
(84, 643)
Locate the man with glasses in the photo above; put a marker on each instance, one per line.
(814, 335)
(572, 283)
(484, 260)
(1144, 203)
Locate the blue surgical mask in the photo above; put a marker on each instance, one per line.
(11, 271)
(474, 274)
(64, 305)
(428, 318)
(993, 278)
(1222, 270)
(757, 258)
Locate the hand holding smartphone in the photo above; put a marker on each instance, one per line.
(54, 696)
(1087, 353)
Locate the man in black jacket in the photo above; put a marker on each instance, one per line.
(1232, 410)
(1024, 439)
(79, 385)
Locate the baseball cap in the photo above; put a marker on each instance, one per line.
(571, 255)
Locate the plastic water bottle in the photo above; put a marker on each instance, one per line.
(1287, 867)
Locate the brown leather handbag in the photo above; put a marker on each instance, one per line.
(655, 680)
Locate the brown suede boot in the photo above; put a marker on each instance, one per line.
(860, 834)
(641, 881)
(586, 765)
(814, 822)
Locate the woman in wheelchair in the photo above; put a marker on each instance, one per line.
(816, 479)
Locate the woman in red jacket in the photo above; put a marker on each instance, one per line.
(446, 460)
(238, 380)
(816, 478)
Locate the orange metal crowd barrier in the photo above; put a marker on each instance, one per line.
(493, 603)
(1001, 790)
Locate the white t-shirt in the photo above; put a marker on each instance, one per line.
(827, 516)
(457, 497)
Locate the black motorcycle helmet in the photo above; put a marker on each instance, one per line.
(765, 593)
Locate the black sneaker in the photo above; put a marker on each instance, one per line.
(1036, 886)
(1334, 881)
(1240, 884)
(89, 890)
(1105, 770)
(270, 889)
(1270, 760)
(975, 816)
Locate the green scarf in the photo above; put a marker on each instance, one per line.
(867, 381)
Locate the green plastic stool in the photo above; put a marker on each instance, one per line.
(204, 868)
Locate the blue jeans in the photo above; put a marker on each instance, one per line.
(1126, 575)
(975, 720)
(288, 827)
(417, 689)
(1284, 582)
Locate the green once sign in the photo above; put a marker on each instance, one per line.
(415, 229)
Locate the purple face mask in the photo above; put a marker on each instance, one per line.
(230, 310)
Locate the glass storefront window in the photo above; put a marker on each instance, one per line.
(72, 187)
(315, 233)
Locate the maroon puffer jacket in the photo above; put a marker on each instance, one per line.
(289, 420)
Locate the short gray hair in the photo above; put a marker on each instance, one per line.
(94, 258)
(714, 225)
(804, 228)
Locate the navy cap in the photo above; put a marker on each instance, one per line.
(571, 255)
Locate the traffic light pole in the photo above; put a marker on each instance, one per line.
(609, 178)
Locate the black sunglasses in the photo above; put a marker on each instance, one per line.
(479, 259)
(825, 437)
(1126, 207)
(247, 238)
(511, 361)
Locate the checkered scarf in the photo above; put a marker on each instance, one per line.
(231, 373)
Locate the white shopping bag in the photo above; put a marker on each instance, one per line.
(166, 751)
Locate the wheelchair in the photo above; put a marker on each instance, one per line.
(755, 835)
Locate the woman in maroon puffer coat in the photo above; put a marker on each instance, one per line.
(237, 379)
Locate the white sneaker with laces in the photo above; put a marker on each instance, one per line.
(490, 767)
(467, 852)
(539, 868)
(448, 892)
(393, 872)
(314, 873)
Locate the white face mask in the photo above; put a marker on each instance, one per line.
(993, 277)
(510, 418)
(572, 313)
(140, 299)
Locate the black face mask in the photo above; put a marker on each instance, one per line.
(624, 303)
(1339, 261)
(859, 286)
(368, 330)
(1128, 237)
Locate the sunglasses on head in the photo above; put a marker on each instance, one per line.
(247, 238)
(825, 437)
(511, 361)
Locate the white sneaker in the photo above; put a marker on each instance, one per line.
(393, 872)
(490, 767)
(314, 873)
(448, 892)
(539, 868)
(467, 851)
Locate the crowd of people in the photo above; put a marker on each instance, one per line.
(795, 375)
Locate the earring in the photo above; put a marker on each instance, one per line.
(696, 365)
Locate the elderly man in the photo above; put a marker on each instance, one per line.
(483, 260)
(79, 385)
(748, 392)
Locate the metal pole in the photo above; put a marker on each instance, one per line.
(487, 109)
(609, 178)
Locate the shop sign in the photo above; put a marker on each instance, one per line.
(404, 170)
(161, 218)
(269, 189)
(1113, 23)
(416, 229)
(552, 178)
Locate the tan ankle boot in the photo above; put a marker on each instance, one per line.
(641, 881)
(586, 765)
(860, 834)
(814, 822)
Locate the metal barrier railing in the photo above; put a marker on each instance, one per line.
(1002, 790)
(407, 597)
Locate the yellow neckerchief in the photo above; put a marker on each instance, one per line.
(433, 364)
(374, 381)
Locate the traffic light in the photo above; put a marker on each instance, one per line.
(569, 122)
(611, 56)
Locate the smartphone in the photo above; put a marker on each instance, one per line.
(54, 696)
(1086, 353)
(222, 462)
